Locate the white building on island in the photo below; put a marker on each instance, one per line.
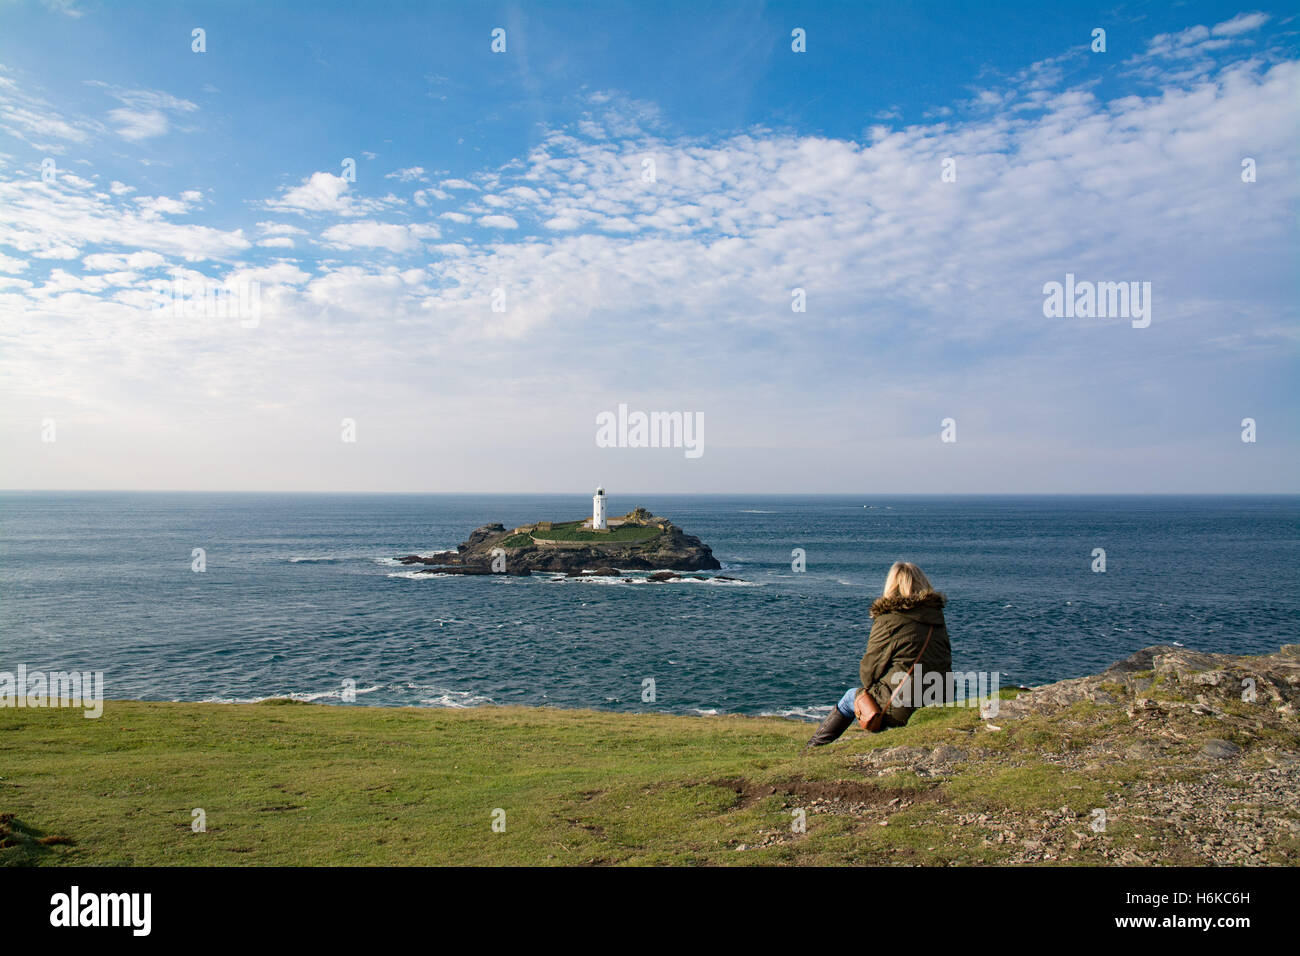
(598, 510)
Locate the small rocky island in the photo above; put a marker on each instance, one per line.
(599, 546)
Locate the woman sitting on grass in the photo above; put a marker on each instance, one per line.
(908, 627)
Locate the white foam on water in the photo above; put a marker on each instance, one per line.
(717, 583)
(306, 697)
(803, 713)
(337, 694)
(431, 695)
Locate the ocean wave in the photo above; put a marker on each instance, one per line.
(716, 582)
(803, 713)
(389, 561)
(307, 697)
(432, 695)
(336, 694)
(643, 577)
(559, 577)
(406, 694)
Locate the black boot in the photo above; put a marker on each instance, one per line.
(832, 727)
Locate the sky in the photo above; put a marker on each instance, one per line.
(444, 262)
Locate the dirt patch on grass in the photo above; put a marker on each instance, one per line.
(16, 835)
(858, 794)
(595, 829)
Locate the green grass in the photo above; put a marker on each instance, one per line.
(314, 784)
(572, 531)
(289, 783)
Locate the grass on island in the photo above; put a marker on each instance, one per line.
(290, 783)
(572, 531)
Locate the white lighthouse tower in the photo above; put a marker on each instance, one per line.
(598, 510)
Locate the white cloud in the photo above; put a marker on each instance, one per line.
(40, 129)
(1241, 23)
(10, 264)
(325, 193)
(66, 7)
(138, 124)
(58, 221)
(108, 261)
(1199, 42)
(280, 229)
(379, 235)
(152, 207)
(410, 174)
(144, 114)
(32, 120)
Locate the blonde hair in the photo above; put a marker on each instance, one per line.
(905, 579)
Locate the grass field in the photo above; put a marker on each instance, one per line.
(289, 783)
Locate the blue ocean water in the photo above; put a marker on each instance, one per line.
(301, 593)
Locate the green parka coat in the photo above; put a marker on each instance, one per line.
(898, 633)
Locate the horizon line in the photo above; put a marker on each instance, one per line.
(697, 494)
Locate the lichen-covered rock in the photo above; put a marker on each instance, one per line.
(1160, 679)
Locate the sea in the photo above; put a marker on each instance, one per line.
(301, 595)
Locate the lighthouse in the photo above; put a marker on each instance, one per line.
(598, 510)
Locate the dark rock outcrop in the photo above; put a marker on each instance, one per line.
(473, 569)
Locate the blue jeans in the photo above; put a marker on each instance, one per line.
(845, 706)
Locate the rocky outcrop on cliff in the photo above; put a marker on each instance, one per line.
(1245, 692)
(1184, 756)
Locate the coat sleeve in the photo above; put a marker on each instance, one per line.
(877, 657)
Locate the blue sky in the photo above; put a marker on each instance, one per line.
(523, 171)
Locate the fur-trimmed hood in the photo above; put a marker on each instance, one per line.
(896, 605)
